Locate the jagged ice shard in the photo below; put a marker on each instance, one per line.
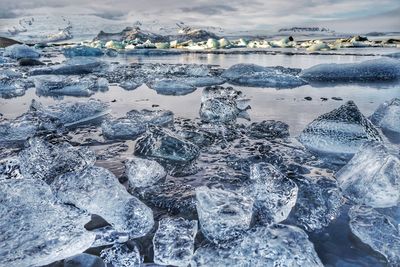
(377, 231)
(99, 192)
(278, 245)
(173, 243)
(372, 176)
(339, 133)
(223, 215)
(143, 172)
(122, 255)
(387, 117)
(35, 229)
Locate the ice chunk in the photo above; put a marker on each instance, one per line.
(122, 255)
(65, 86)
(269, 129)
(72, 113)
(12, 84)
(36, 230)
(223, 215)
(82, 51)
(10, 168)
(107, 235)
(166, 148)
(135, 123)
(274, 194)
(84, 260)
(174, 197)
(387, 117)
(73, 66)
(143, 172)
(258, 76)
(173, 243)
(318, 202)
(339, 133)
(278, 245)
(98, 191)
(204, 81)
(376, 230)
(17, 130)
(219, 104)
(372, 176)
(171, 87)
(21, 51)
(381, 69)
(45, 161)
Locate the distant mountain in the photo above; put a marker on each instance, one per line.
(305, 29)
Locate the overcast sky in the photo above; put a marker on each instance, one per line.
(243, 14)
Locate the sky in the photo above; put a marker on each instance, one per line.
(355, 15)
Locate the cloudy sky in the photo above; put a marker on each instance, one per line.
(357, 15)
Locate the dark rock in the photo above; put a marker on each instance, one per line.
(29, 62)
(4, 42)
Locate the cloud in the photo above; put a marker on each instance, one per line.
(209, 9)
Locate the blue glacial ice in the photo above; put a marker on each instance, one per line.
(173, 242)
(339, 133)
(82, 51)
(374, 70)
(18, 51)
(35, 229)
(99, 192)
(278, 245)
(223, 215)
(45, 161)
(259, 76)
(171, 87)
(143, 172)
(372, 176)
(135, 123)
(377, 231)
(274, 194)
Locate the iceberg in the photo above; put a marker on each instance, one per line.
(381, 69)
(42, 160)
(122, 255)
(274, 194)
(278, 245)
(71, 114)
(135, 123)
(223, 215)
(258, 76)
(377, 231)
(372, 176)
(387, 117)
(318, 202)
(82, 51)
(35, 229)
(339, 133)
(173, 242)
(143, 172)
(18, 51)
(98, 191)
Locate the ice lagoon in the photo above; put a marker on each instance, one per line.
(196, 157)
